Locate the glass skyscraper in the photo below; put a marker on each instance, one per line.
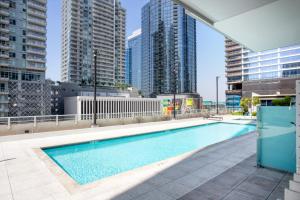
(133, 60)
(269, 73)
(168, 49)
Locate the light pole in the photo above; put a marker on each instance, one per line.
(217, 93)
(174, 92)
(95, 87)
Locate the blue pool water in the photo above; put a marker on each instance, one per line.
(88, 162)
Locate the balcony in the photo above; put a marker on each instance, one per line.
(3, 79)
(234, 74)
(233, 53)
(36, 6)
(41, 69)
(233, 64)
(36, 29)
(4, 30)
(4, 12)
(233, 58)
(36, 21)
(237, 92)
(4, 56)
(4, 38)
(35, 36)
(38, 52)
(233, 69)
(34, 13)
(4, 4)
(4, 92)
(4, 47)
(4, 21)
(36, 44)
(233, 48)
(36, 60)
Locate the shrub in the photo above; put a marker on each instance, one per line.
(282, 102)
(254, 113)
(237, 113)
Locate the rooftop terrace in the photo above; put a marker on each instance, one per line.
(222, 171)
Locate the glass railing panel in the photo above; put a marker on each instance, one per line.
(276, 143)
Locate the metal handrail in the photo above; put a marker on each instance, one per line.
(34, 120)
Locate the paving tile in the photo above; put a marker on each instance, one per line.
(6, 197)
(225, 164)
(213, 190)
(244, 168)
(195, 195)
(270, 174)
(175, 189)
(277, 194)
(173, 173)
(159, 180)
(210, 171)
(254, 189)
(153, 195)
(230, 179)
(235, 195)
(32, 194)
(263, 182)
(140, 189)
(195, 164)
(206, 158)
(4, 186)
(192, 181)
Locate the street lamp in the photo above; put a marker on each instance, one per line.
(217, 93)
(174, 92)
(95, 87)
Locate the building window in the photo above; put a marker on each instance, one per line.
(12, 21)
(2, 87)
(12, 4)
(12, 38)
(12, 54)
(24, 56)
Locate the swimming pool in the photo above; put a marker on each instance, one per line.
(91, 161)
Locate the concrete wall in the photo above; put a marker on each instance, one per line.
(70, 105)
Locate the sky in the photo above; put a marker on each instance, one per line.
(210, 48)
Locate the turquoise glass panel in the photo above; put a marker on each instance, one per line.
(276, 144)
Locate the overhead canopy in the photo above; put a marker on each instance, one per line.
(257, 24)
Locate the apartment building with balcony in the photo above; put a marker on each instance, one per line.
(168, 49)
(268, 74)
(22, 57)
(88, 26)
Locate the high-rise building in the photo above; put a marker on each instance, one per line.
(89, 25)
(267, 74)
(168, 49)
(134, 60)
(23, 57)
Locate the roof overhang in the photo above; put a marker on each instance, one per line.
(257, 24)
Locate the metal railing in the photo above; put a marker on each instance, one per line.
(27, 124)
